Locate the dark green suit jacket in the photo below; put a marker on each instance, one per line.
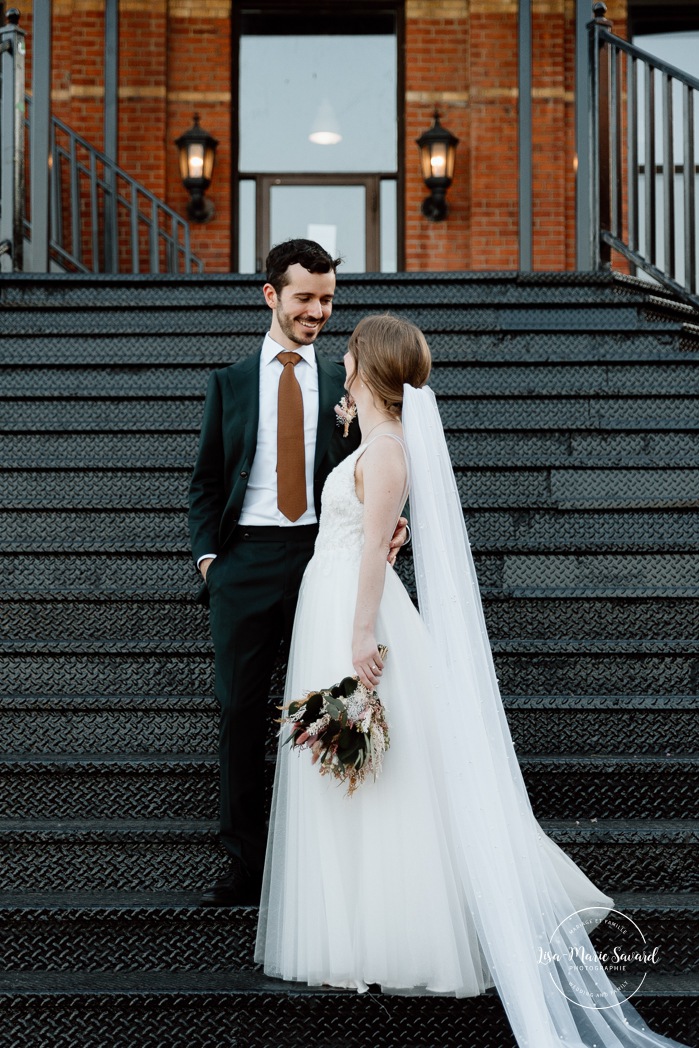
(229, 439)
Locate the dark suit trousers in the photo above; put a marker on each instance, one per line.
(253, 587)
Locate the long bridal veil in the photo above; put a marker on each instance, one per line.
(522, 890)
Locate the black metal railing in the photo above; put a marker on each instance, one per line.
(102, 220)
(643, 127)
(95, 217)
(12, 184)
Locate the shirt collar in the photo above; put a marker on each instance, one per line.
(270, 349)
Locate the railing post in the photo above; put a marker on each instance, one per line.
(40, 134)
(600, 138)
(111, 129)
(12, 51)
(525, 134)
(582, 138)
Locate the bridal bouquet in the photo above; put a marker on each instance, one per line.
(345, 729)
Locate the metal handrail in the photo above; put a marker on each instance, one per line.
(103, 220)
(12, 184)
(619, 179)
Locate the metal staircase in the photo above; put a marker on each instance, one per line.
(573, 420)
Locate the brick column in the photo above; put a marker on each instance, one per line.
(199, 80)
(436, 65)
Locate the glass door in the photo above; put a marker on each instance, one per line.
(318, 138)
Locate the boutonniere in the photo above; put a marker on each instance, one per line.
(346, 412)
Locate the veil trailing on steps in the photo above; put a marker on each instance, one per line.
(522, 890)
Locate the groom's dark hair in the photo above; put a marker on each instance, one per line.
(307, 253)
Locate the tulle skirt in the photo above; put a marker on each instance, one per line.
(369, 889)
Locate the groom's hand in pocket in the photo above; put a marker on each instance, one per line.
(400, 537)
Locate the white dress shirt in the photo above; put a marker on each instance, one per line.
(260, 502)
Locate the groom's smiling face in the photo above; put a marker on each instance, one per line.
(302, 307)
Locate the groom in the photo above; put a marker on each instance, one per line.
(268, 442)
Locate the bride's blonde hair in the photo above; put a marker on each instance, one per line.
(388, 352)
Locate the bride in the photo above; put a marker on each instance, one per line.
(435, 878)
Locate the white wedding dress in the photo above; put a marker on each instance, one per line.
(396, 885)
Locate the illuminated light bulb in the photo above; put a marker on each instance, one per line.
(325, 138)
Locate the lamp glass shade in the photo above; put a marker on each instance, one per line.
(195, 160)
(450, 160)
(437, 160)
(425, 162)
(197, 153)
(325, 130)
(209, 157)
(437, 152)
(184, 162)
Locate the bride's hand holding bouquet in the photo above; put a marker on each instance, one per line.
(366, 658)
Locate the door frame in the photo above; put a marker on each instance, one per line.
(371, 182)
(321, 10)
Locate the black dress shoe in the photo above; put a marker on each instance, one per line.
(237, 888)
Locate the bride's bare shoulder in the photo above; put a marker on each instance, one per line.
(383, 464)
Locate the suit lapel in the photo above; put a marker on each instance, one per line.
(244, 381)
(329, 393)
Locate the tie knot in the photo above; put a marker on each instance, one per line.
(289, 358)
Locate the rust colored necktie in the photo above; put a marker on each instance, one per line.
(291, 448)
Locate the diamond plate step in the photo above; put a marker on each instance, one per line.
(94, 855)
(133, 786)
(545, 378)
(488, 448)
(182, 413)
(490, 530)
(604, 724)
(157, 339)
(506, 286)
(138, 855)
(431, 315)
(612, 787)
(193, 1010)
(115, 615)
(139, 489)
(540, 579)
(120, 932)
(538, 667)
(132, 931)
(654, 725)
(499, 289)
(108, 724)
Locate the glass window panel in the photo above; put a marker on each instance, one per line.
(246, 227)
(389, 227)
(334, 216)
(339, 88)
(678, 49)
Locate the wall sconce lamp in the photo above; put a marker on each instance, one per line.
(437, 155)
(197, 153)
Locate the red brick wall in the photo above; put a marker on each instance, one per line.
(436, 76)
(460, 57)
(199, 80)
(473, 81)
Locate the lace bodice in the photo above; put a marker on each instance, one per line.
(341, 513)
